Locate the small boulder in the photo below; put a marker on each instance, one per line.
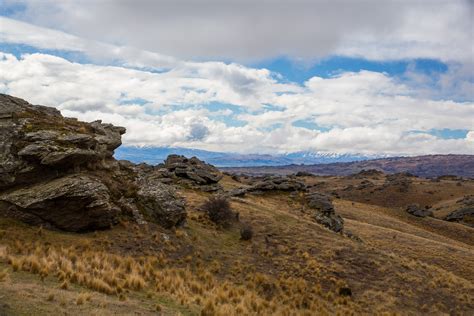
(416, 210)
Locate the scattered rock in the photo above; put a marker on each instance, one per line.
(399, 181)
(449, 178)
(370, 173)
(238, 192)
(304, 174)
(467, 200)
(459, 214)
(465, 212)
(416, 210)
(352, 236)
(366, 184)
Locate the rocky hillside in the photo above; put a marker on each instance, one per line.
(429, 166)
(84, 234)
(60, 173)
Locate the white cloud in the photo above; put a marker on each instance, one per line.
(244, 29)
(362, 112)
(17, 32)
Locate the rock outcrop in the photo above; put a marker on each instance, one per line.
(324, 211)
(465, 211)
(416, 210)
(190, 172)
(268, 184)
(398, 181)
(60, 172)
(72, 203)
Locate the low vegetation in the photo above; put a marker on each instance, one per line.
(288, 264)
(219, 210)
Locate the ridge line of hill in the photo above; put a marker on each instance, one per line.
(427, 166)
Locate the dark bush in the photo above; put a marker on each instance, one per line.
(246, 232)
(219, 211)
(345, 291)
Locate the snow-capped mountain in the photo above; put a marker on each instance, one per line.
(155, 155)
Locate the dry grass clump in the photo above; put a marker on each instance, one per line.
(82, 298)
(198, 286)
(3, 275)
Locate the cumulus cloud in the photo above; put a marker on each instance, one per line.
(364, 112)
(244, 29)
(163, 78)
(198, 132)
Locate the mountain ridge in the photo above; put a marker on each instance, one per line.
(155, 155)
(427, 166)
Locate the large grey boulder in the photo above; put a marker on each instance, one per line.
(72, 203)
(324, 211)
(160, 203)
(157, 201)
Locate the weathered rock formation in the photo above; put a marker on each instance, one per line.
(465, 212)
(191, 172)
(324, 211)
(60, 172)
(72, 203)
(268, 184)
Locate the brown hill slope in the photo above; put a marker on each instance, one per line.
(403, 264)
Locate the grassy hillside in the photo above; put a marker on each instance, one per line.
(397, 263)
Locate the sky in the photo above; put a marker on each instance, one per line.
(359, 77)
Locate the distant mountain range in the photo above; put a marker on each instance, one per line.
(317, 163)
(424, 166)
(155, 155)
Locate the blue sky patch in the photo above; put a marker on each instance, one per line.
(138, 101)
(20, 49)
(309, 124)
(294, 71)
(445, 133)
